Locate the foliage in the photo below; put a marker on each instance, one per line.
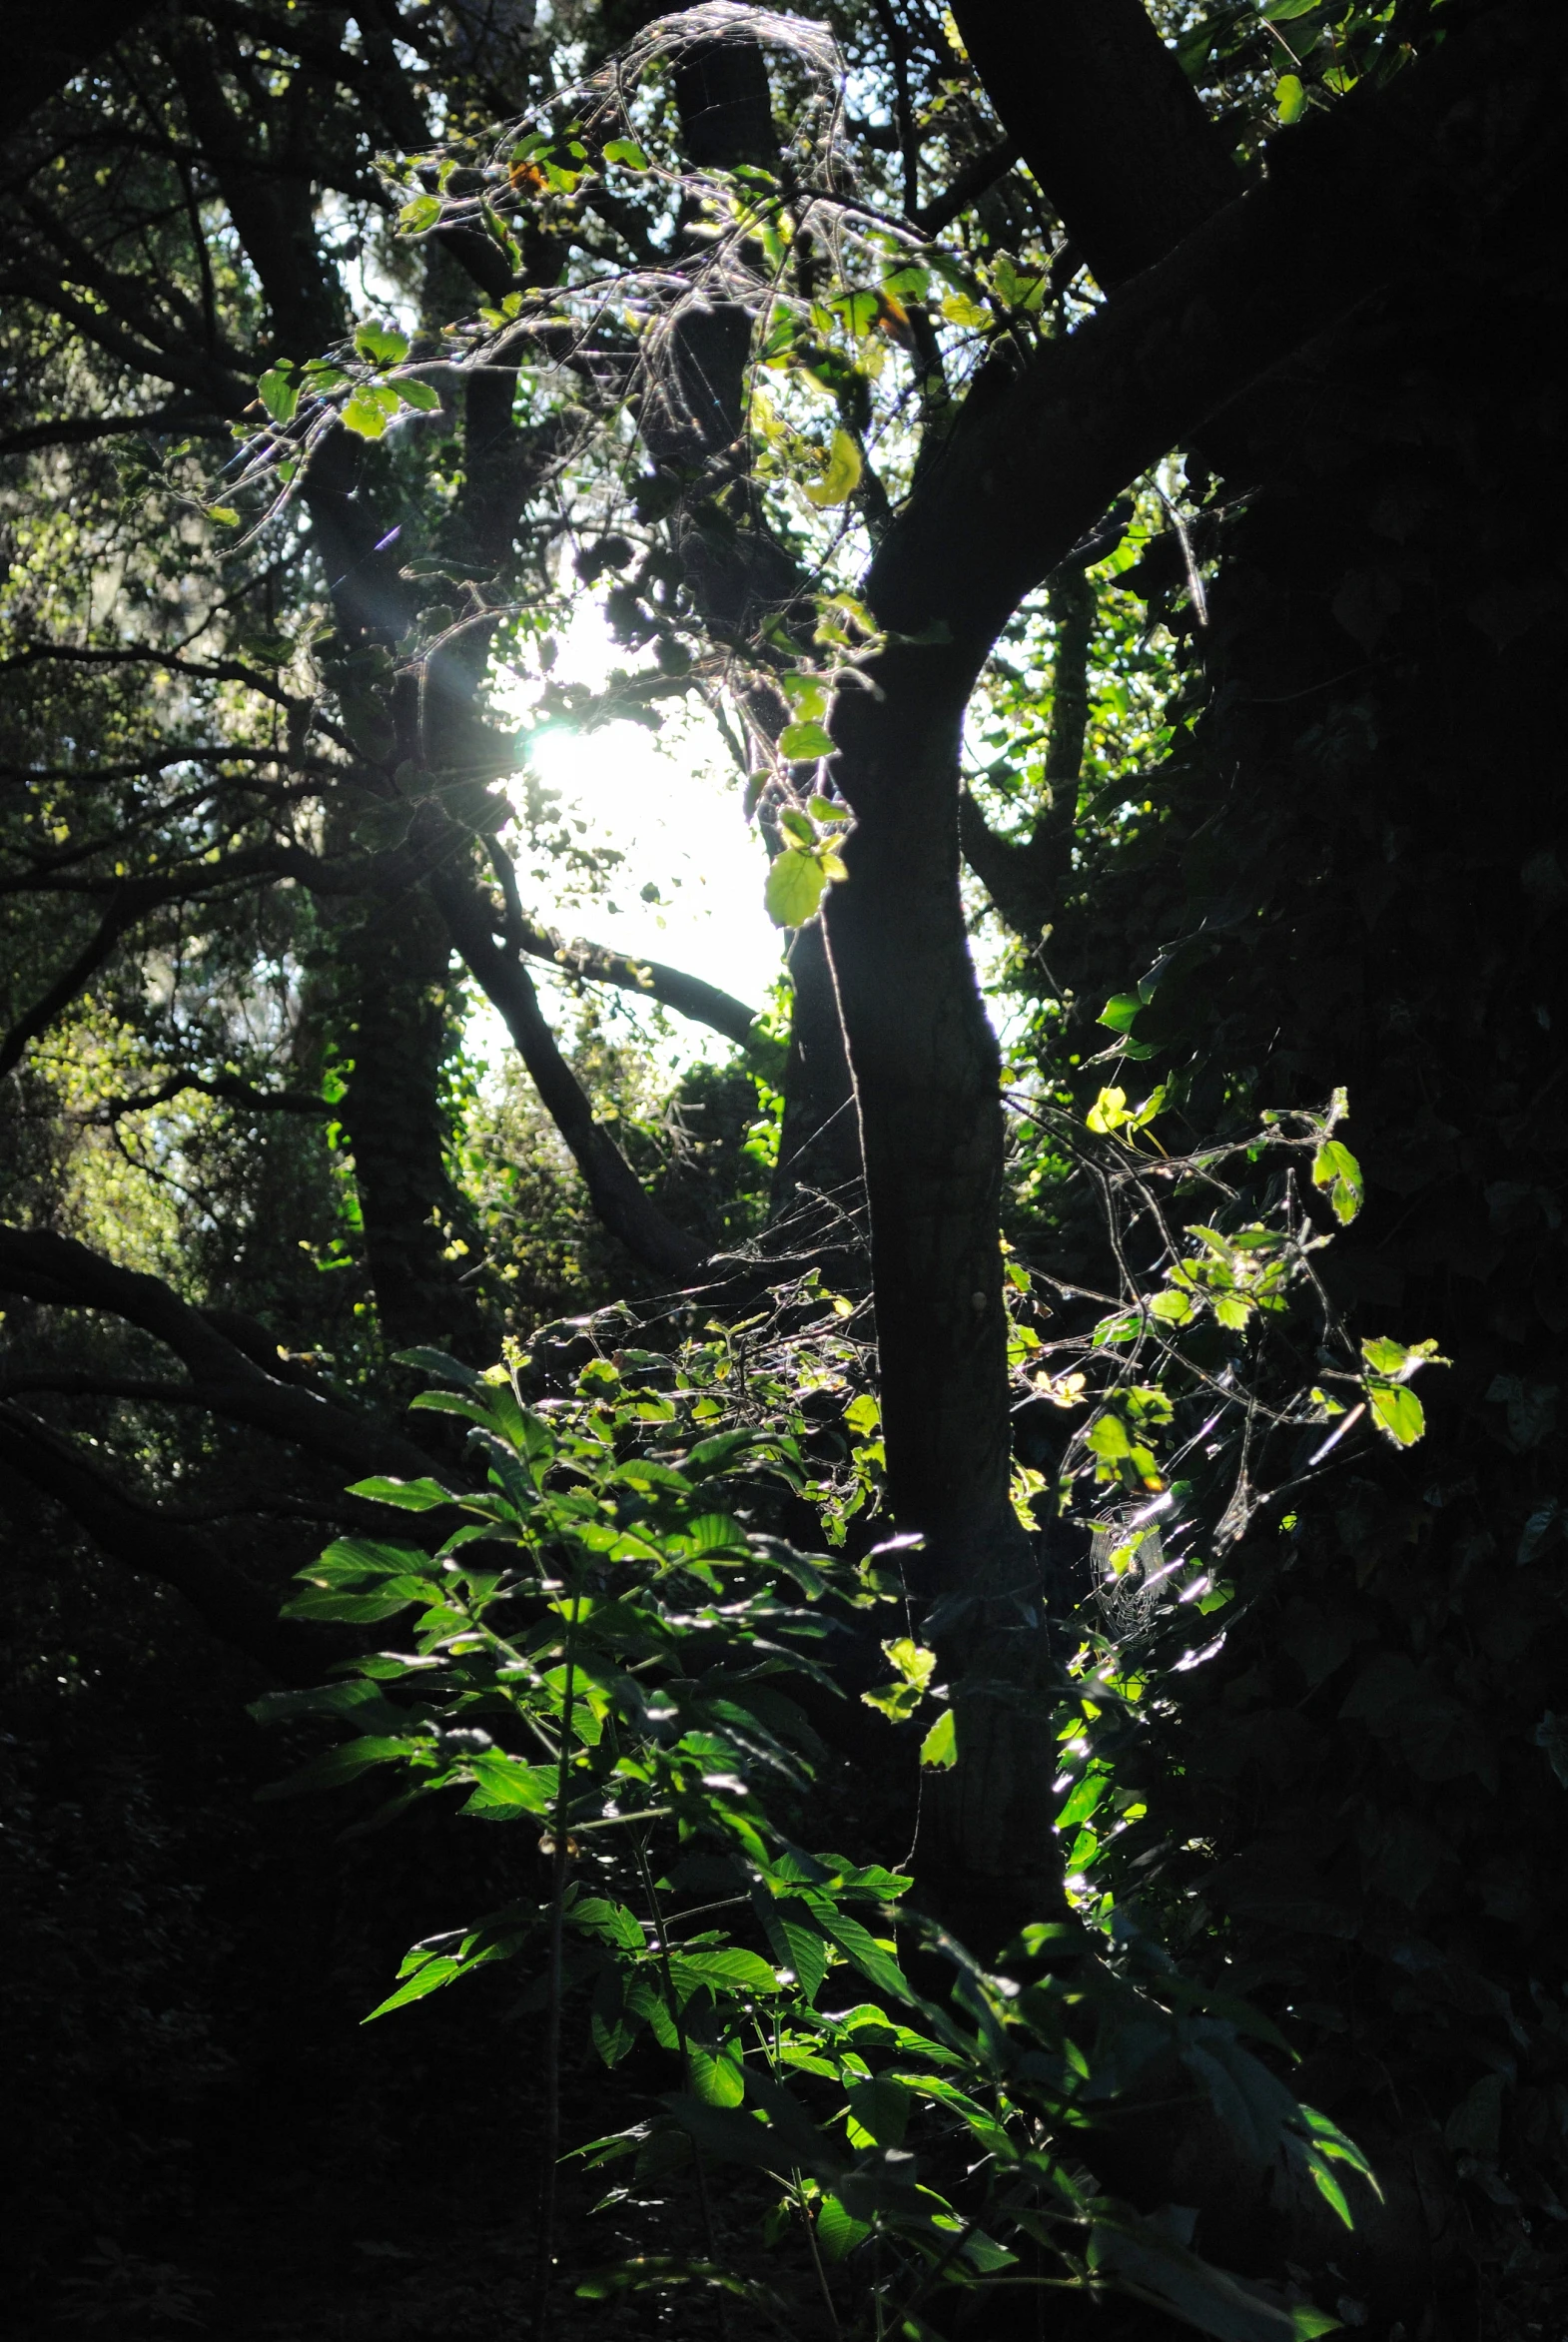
(603, 1651)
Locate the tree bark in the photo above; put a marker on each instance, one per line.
(1105, 119)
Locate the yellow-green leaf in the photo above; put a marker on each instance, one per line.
(1290, 98)
(803, 742)
(840, 479)
(796, 881)
(1398, 1414)
(362, 414)
(940, 1745)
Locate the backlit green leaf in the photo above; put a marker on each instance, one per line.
(841, 476)
(796, 881)
(280, 394)
(804, 741)
(1290, 98)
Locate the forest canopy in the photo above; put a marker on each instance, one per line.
(781, 871)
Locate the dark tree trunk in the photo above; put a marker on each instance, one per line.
(395, 1000)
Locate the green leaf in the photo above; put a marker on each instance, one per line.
(940, 1745)
(424, 395)
(824, 809)
(841, 476)
(797, 1946)
(1396, 1359)
(1107, 1439)
(280, 394)
(626, 152)
(363, 415)
(355, 1609)
(420, 213)
(1120, 1011)
(224, 515)
(381, 345)
(596, 1914)
(1335, 1168)
(717, 2080)
(505, 1785)
(1397, 1412)
(804, 741)
(796, 883)
(837, 2232)
(795, 825)
(881, 2109)
(735, 1971)
(857, 1944)
(429, 1978)
(1290, 98)
(1148, 2261)
(408, 1495)
(335, 1766)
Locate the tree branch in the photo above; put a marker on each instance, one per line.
(1107, 121)
(154, 1546)
(62, 1273)
(613, 1187)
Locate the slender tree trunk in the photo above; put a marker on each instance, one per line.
(927, 1082)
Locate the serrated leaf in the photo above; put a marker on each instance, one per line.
(354, 1609)
(733, 1969)
(795, 825)
(1337, 1168)
(424, 395)
(940, 1745)
(408, 1495)
(1398, 1414)
(857, 1944)
(837, 2232)
(334, 1767)
(429, 1978)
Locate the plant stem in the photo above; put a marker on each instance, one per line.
(545, 2258)
(656, 1915)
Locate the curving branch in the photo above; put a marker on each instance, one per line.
(153, 1545)
(1107, 121)
(61, 1273)
(592, 962)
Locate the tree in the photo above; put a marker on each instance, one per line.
(1237, 308)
